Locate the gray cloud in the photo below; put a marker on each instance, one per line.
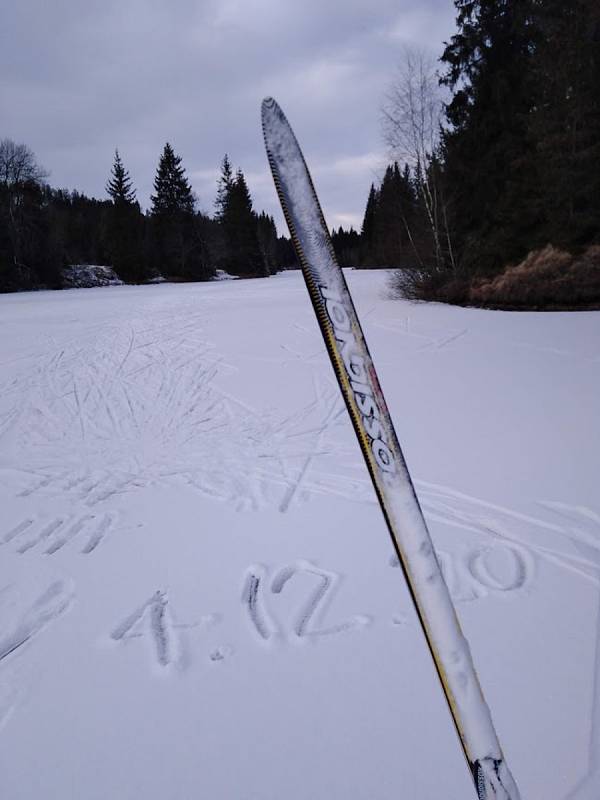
(79, 79)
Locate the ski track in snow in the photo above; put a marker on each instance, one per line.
(579, 552)
(126, 408)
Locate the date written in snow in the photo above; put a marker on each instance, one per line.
(501, 569)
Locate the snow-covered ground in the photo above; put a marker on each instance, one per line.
(197, 595)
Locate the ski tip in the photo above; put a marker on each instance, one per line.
(270, 111)
(268, 103)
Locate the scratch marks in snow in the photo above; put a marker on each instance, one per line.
(475, 572)
(316, 601)
(130, 405)
(444, 341)
(127, 405)
(159, 626)
(505, 569)
(574, 547)
(17, 530)
(301, 621)
(53, 535)
(48, 607)
(252, 598)
(154, 621)
(335, 411)
(98, 533)
(44, 533)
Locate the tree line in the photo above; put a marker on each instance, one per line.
(43, 230)
(492, 196)
(501, 202)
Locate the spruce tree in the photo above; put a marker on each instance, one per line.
(180, 248)
(224, 185)
(565, 121)
(267, 240)
(388, 234)
(239, 223)
(119, 186)
(173, 193)
(122, 233)
(367, 230)
(346, 245)
(392, 212)
(487, 146)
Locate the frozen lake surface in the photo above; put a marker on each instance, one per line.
(197, 591)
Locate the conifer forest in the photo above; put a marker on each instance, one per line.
(491, 196)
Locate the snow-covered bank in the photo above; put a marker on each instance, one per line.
(196, 592)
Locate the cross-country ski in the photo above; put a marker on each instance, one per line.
(373, 426)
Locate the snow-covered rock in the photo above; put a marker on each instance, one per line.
(86, 276)
(223, 275)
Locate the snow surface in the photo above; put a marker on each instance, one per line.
(197, 592)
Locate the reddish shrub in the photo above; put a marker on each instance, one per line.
(547, 278)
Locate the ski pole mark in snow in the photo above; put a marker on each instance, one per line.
(160, 626)
(316, 600)
(49, 605)
(221, 653)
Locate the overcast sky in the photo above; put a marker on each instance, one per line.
(81, 77)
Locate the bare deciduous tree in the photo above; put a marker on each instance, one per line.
(20, 174)
(412, 117)
(18, 164)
